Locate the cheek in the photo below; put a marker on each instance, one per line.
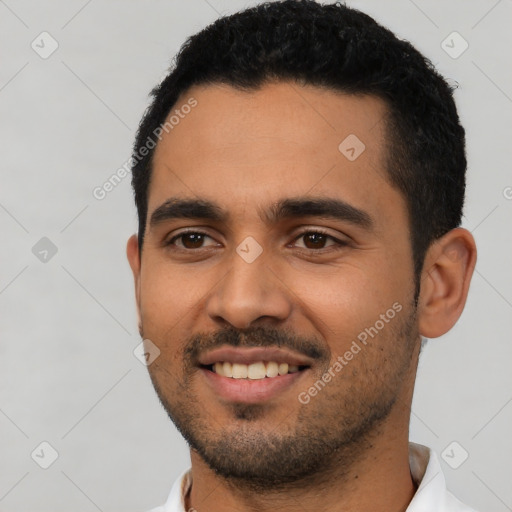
(342, 303)
(170, 288)
(164, 303)
(166, 295)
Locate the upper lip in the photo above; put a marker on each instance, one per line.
(253, 355)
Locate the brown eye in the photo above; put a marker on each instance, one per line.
(192, 240)
(189, 240)
(315, 240)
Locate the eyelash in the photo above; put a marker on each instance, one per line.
(339, 243)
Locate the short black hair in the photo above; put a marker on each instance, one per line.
(344, 50)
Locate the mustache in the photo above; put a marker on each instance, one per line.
(255, 337)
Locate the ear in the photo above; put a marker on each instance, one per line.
(447, 272)
(132, 253)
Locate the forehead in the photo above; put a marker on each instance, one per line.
(300, 116)
(279, 140)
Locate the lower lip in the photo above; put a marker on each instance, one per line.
(248, 390)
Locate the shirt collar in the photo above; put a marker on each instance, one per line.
(427, 475)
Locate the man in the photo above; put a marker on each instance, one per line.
(299, 179)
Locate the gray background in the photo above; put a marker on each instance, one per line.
(68, 325)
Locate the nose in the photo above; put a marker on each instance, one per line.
(249, 291)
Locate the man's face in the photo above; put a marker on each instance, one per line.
(295, 286)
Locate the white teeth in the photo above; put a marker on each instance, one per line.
(219, 368)
(239, 371)
(256, 371)
(227, 369)
(253, 371)
(272, 369)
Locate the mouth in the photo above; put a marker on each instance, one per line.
(252, 375)
(254, 371)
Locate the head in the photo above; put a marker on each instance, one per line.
(285, 115)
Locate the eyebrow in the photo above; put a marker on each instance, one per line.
(294, 207)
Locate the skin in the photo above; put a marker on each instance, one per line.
(246, 150)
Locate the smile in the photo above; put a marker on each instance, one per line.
(252, 374)
(254, 371)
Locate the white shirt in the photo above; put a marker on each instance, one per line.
(431, 494)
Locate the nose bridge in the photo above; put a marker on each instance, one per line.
(249, 290)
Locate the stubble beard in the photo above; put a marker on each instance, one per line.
(331, 433)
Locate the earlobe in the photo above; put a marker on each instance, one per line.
(447, 272)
